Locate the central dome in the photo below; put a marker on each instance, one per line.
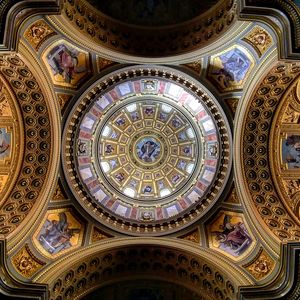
(146, 150)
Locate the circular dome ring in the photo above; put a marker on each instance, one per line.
(145, 151)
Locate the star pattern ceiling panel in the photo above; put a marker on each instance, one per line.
(147, 150)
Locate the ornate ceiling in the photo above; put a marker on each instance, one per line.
(149, 153)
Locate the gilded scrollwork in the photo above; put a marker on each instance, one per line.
(99, 235)
(37, 33)
(195, 66)
(232, 104)
(26, 263)
(292, 187)
(63, 100)
(103, 63)
(192, 236)
(291, 115)
(59, 193)
(260, 39)
(262, 266)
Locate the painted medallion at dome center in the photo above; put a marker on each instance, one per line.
(148, 149)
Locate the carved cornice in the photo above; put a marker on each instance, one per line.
(12, 287)
(286, 286)
(13, 13)
(287, 12)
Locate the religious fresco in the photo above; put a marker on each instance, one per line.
(291, 151)
(148, 149)
(230, 69)
(5, 143)
(229, 234)
(60, 231)
(68, 65)
(259, 39)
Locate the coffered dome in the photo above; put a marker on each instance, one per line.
(147, 148)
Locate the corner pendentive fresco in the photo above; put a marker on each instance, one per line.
(68, 65)
(229, 234)
(230, 69)
(60, 231)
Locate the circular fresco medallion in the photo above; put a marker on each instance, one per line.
(146, 151)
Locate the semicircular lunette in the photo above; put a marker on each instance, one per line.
(200, 275)
(147, 151)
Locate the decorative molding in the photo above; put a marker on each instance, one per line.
(232, 103)
(37, 33)
(233, 197)
(194, 66)
(103, 63)
(63, 100)
(259, 39)
(59, 193)
(286, 284)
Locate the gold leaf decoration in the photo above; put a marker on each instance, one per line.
(232, 103)
(194, 66)
(259, 39)
(37, 33)
(232, 198)
(98, 235)
(63, 99)
(26, 263)
(261, 266)
(192, 236)
(59, 193)
(104, 63)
